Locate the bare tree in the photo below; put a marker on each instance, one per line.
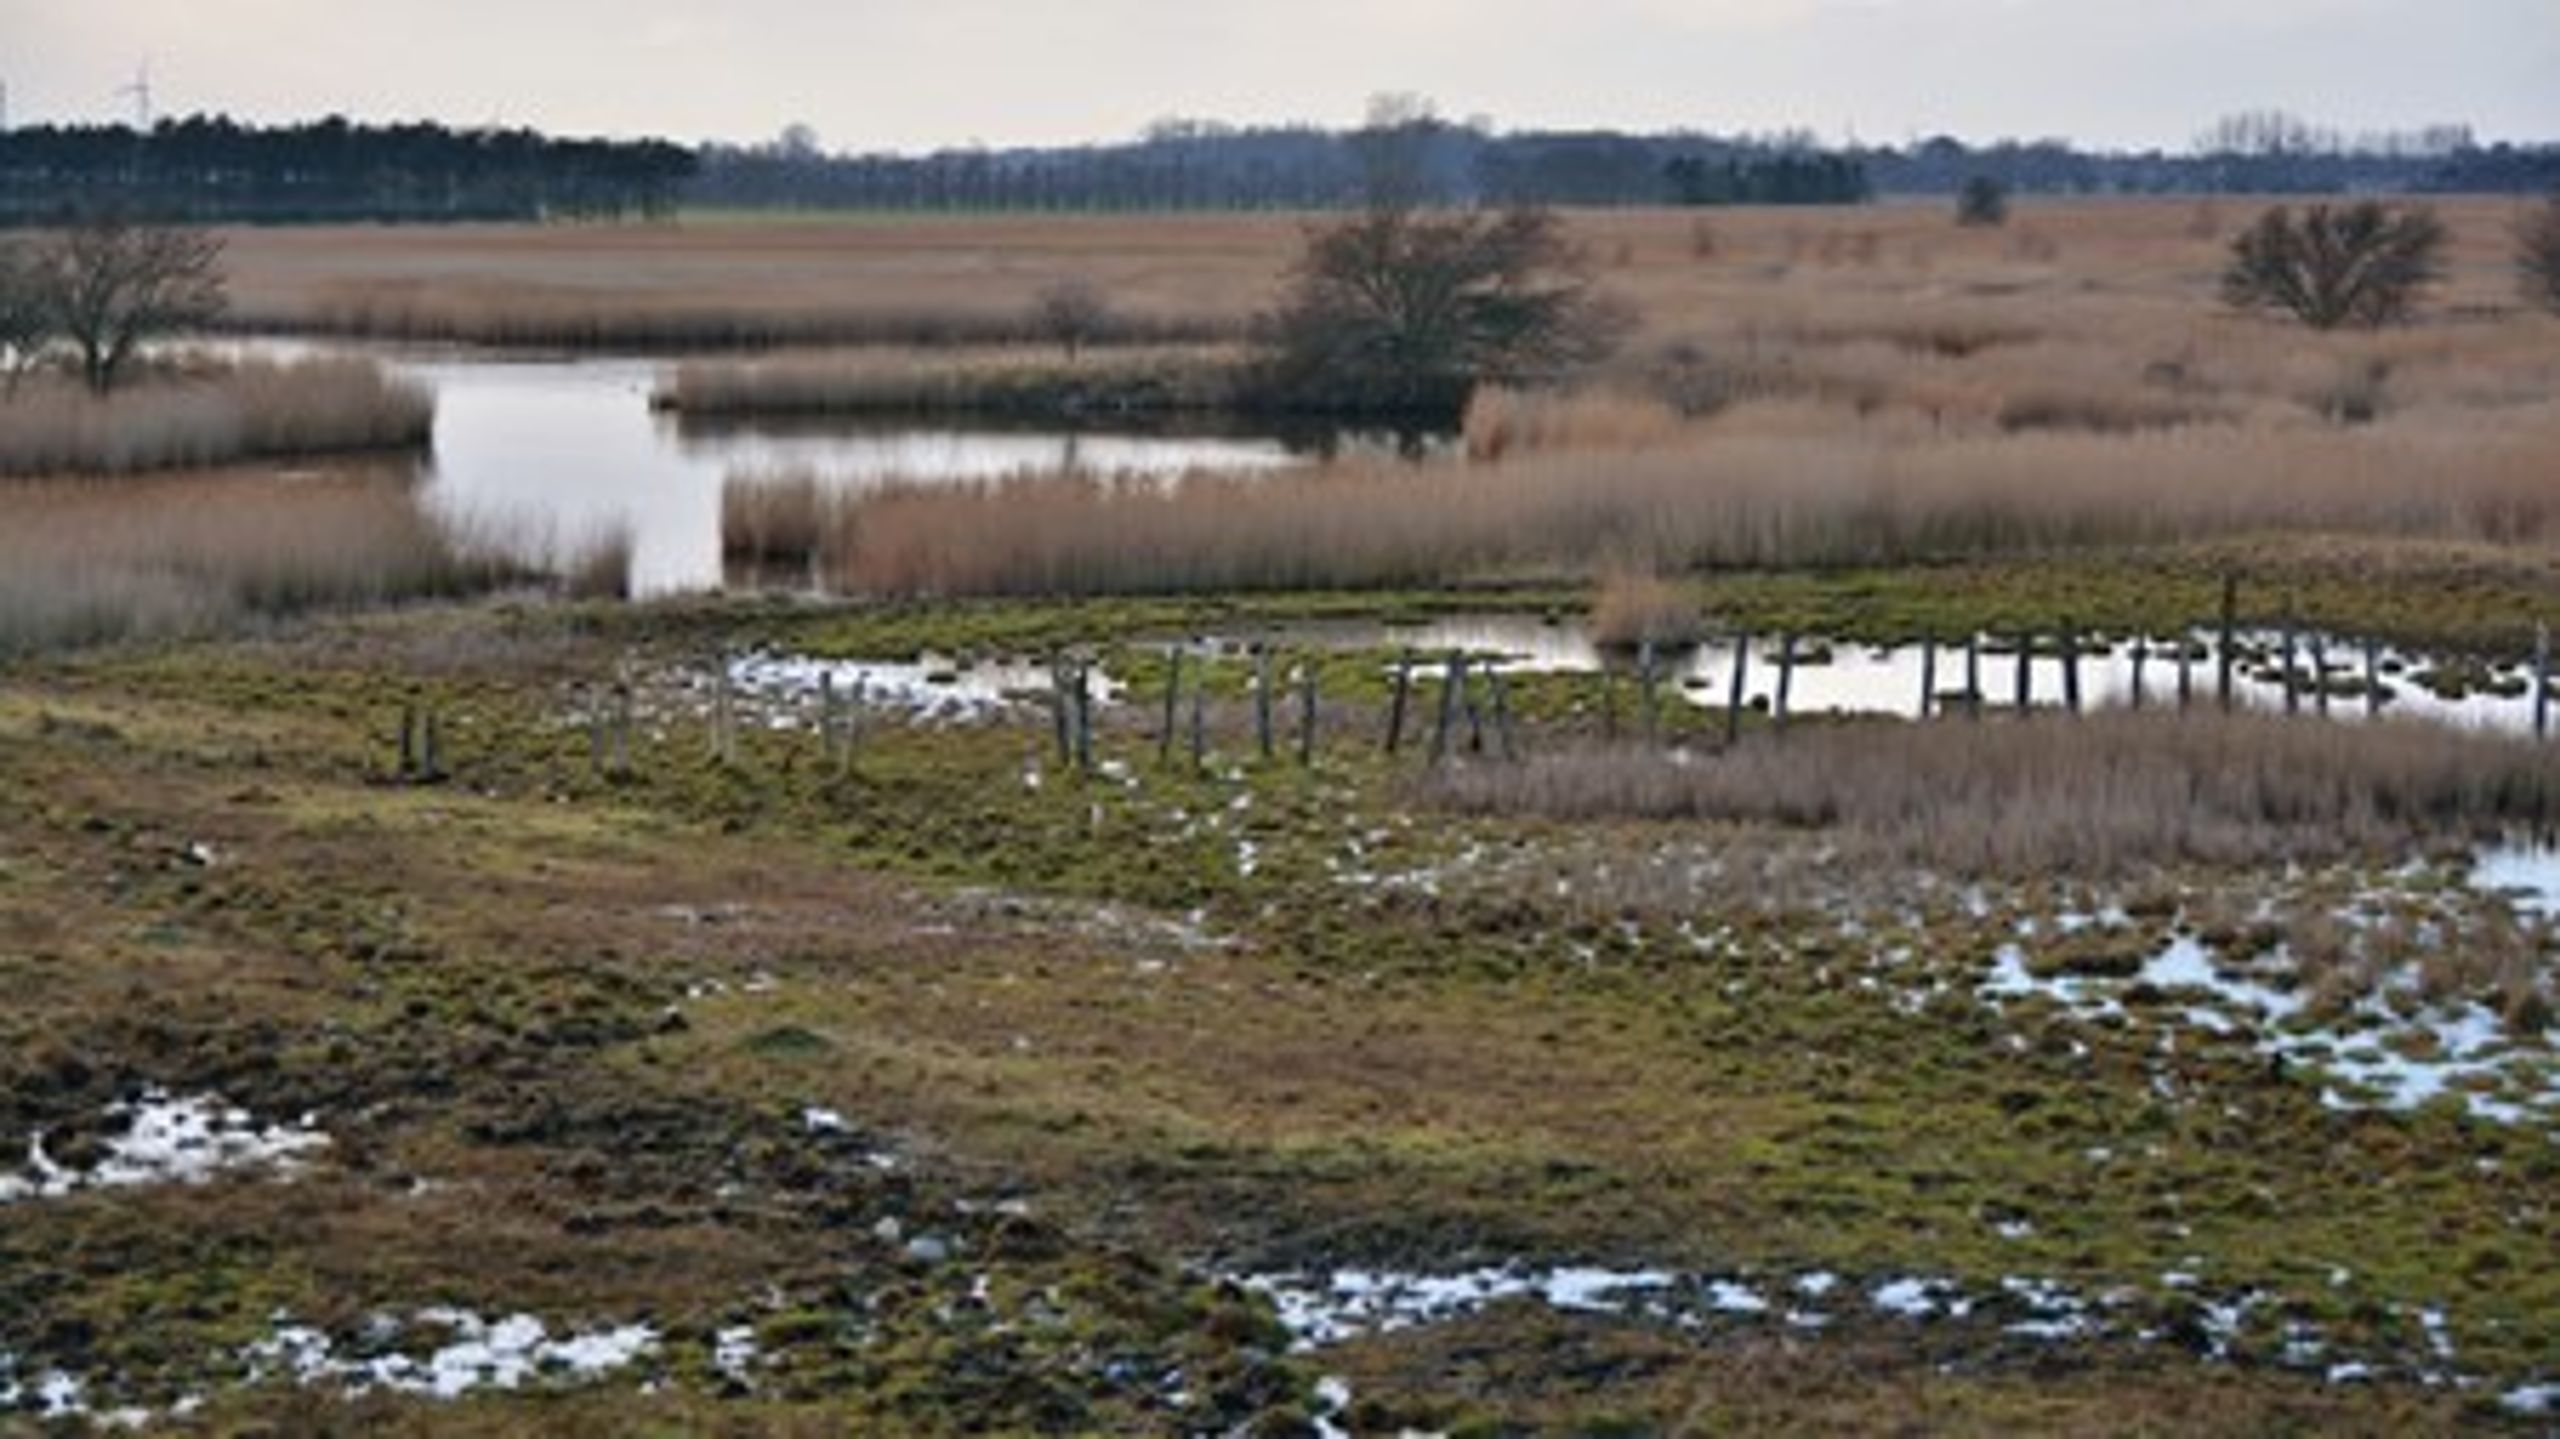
(111, 284)
(2538, 254)
(1072, 313)
(2365, 264)
(1401, 309)
(26, 314)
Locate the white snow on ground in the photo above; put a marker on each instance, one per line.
(930, 688)
(477, 1354)
(164, 1140)
(2376, 1056)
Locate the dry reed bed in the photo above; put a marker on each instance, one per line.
(1766, 485)
(84, 563)
(2098, 795)
(191, 418)
(1001, 382)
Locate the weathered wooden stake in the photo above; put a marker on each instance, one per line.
(1648, 683)
(1199, 724)
(1450, 684)
(1786, 679)
(2186, 672)
(2372, 678)
(2292, 691)
(2320, 672)
(1262, 698)
(1084, 718)
(1475, 711)
(408, 742)
(1307, 713)
(2141, 659)
(1735, 696)
(2225, 658)
(2542, 681)
(1060, 722)
(431, 767)
(1403, 697)
(1928, 675)
(1172, 702)
(2070, 668)
(2026, 674)
(828, 721)
(1973, 676)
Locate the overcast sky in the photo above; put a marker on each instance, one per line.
(908, 74)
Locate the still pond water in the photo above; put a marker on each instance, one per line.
(560, 451)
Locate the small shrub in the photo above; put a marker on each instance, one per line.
(2538, 254)
(1982, 203)
(2366, 264)
(1636, 608)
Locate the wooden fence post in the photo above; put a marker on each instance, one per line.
(1307, 713)
(1200, 723)
(1084, 717)
(2230, 624)
(2372, 678)
(2320, 672)
(2542, 681)
(408, 742)
(2026, 675)
(1060, 723)
(1648, 683)
(1973, 675)
(2292, 694)
(1455, 679)
(2186, 671)
(1172, 703)
(1734, 698)
(1262, 698)
(2070, 668)
(2141, 659)
(1928, 675)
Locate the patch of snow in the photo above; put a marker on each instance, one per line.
(479, 1354)
(167, 1141)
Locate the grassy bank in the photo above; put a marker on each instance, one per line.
(2101, 794)
(84, 562)
(1762, 486)
(190, 414)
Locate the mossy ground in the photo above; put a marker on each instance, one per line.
(1114, 1033)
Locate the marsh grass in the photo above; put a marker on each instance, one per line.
(2100, 795)
(1765, 485)
(1635, 608)
(773, 520)
(189, 415)
(85, 563)
(1003, 382)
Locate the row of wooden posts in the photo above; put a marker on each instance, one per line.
(1471, 710)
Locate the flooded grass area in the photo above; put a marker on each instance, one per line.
(958, 1087)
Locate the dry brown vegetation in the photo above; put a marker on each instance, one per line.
(194, 414)
(1635, 608)
(976, 381)
(2095, 795)
(1930, 391)
(1767, 484)
(83, 562)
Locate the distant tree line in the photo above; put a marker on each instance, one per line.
(215, 169)
(211, 168)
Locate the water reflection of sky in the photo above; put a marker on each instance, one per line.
(558, 452)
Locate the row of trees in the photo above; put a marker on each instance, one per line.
(210, 168)
(103, 287)
(1199, 165)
